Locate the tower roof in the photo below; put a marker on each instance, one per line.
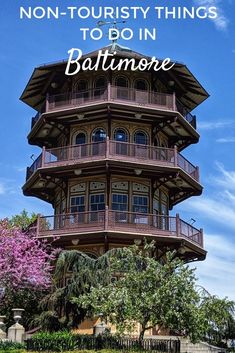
(36, 88)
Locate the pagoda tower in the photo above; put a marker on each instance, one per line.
(111, 161)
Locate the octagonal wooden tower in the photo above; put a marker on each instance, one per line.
(111, 162)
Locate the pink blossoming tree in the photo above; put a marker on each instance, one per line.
(25, 269)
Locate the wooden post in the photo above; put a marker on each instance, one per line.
(106, 217)
(109, 91)
(201, 235)
(107, 152)
(43, 155)
(177, 218)
(38, 225)
(174, 102)
(197, 174)
(47, 102)
(176, 156)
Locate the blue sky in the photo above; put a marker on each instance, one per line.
(208, 49)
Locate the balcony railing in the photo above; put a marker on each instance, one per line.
(122, 151)
(165, 101)
(36, 165)
(125, 222)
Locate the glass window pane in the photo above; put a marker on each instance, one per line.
(140, 138)
(98, 135)
(80, 138)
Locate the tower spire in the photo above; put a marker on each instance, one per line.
(114, 26)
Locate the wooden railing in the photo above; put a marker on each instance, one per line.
(36, 165)
(165, 101)
(123, 151)
(127, 222)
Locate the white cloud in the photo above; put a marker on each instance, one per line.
(216, 273)
(211, 125)
(214, 209)
(220, 206)
(217, 210)
(226, 178)
(221, 21)
(225, 140)
(2, 189)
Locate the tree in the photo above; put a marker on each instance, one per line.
(219, 318)
(145, 290)
(59, 311)
(22, 220)
(25, 268)
(148, 292)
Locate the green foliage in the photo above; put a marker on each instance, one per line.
(22, 220)
(64, 340)
(27, 299)
(86, 272)
(11, 346)
(219, 319)
(57, 341)
(147, 292)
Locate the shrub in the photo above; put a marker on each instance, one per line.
(11, 346)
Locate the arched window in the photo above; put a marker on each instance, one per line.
(80, 150)
(141, 84)
(81, 92)
(141, 138)
(81, 85)
(120, 135)
(100, 85)
(80, 138)
(121, 81)
(91, 254)
(98, 135)
(122, 90)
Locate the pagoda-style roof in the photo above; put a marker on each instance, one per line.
(35, 91)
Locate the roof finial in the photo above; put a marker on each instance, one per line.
(113, 34)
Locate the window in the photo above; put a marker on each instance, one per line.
(100, 86)
(122, 90)
(140, 204)
(81, 85)
(141, 149)
(120, 135)
(141, 138)
(97, 202)
(141, 92)
(139, 207)
(77, 206)
(119, 202)
(121, 81)
(81, 91)
(80, 138)
(80, 150)
(120, 205)
(100, 82)
(97, 206)
(141, 85)
(77, 203)
(160, 208)
(98, 135)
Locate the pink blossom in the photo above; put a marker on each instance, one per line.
(25, 262)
